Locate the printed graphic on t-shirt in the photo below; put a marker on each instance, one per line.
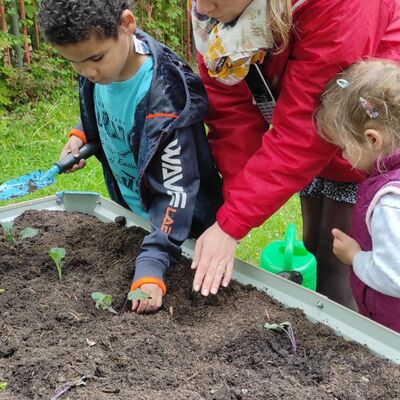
(115, 106)
(114, 135)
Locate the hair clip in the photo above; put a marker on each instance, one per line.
(369, 108)
(343, 83)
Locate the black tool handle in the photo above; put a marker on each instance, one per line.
(85, 152)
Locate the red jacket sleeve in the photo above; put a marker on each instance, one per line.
(263, 168)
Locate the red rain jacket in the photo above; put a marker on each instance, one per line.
(262, 168)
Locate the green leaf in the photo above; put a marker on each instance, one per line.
(28, 233)
(277, 327)
(103, 301)
(138, 294)
(3, 385)
(57, 253)
(7, 229)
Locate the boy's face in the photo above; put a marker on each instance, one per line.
(100, 60)
(224, 11)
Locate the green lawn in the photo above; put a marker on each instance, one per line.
(32, 137)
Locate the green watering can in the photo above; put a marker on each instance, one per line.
(291, 260)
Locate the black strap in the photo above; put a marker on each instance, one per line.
(263, 97)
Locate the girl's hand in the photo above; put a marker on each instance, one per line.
(213, 260)
(344, 247)
(72, 147)
(149, 305)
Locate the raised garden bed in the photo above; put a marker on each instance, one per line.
(194, 348)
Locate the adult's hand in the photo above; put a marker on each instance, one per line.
(213, 260)
(345, 247)
(72, 147)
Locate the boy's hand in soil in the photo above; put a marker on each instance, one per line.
(149, 305)
(345, 248)
(213, 260)
(72, 147)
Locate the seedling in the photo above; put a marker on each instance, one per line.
(284, 327)
(3, 385)
(138, 294)
(8, 233)
(57, 254)
(24, 234)
(28, 233)
(60, 391)
(103, 301)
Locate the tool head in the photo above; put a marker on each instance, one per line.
(25, 184)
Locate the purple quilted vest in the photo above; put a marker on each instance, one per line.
(371, 303)
(367, 191)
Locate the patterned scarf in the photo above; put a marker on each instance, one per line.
(229, 49)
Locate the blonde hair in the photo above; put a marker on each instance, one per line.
(364, 96)
(280, 13)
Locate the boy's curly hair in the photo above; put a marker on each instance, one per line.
(72, 21)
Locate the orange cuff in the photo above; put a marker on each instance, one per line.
(79, 134)
(149, 279)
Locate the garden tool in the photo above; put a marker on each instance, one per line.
(40, 179)
(291, 260)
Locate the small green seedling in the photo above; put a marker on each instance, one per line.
(138, 295)
(58, 254)
(284, 327)
(28, 233)
(8, 233)
(103, 301)
(24, 234)
(3, 385)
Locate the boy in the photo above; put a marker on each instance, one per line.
(145, 106)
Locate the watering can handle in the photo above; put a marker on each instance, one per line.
(85, 152)
(290, 237)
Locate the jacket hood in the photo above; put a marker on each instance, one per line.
(185, 102)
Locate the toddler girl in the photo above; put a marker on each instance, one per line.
(360, 113)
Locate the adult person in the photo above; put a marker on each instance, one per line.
(304, 43)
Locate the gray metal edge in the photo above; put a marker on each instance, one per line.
(316, 307)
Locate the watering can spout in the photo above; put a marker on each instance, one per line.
(290, 259)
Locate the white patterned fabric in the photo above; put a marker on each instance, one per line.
(229, 49)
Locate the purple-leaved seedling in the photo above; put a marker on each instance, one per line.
(287, 328)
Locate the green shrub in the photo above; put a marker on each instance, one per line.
(39, 80)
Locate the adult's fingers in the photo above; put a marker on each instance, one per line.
(228, 274)
(219, 274)
(210, 270)
(197, 253)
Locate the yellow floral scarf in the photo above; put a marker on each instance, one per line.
(229, 49)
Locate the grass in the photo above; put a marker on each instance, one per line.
(32, 137)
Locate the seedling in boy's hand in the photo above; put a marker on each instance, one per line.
(7, 229)
(58, 254)
(138, 294)
(103, 301)
(287, 328)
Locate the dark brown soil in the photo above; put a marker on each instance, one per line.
(194, 348)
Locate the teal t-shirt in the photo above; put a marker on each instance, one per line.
(115, 106)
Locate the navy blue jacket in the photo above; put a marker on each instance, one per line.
(178, 183)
